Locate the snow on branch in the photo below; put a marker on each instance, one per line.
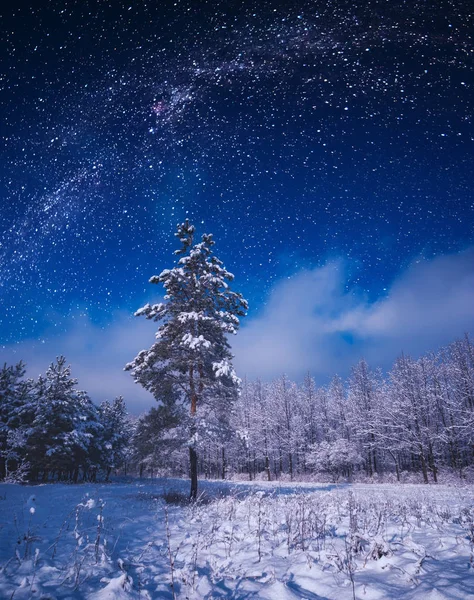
(195, 342)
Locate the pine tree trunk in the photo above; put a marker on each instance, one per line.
(224, 464)
(194, 474)
(193, 461)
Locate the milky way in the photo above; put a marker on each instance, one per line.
(295, 132)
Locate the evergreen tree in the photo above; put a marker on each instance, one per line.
(157, 441)
(115, 433)
(15, 395)
(64, 425)
(191, 353)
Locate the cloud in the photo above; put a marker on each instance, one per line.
(97, 356)
(288, 336)
(313, 324)
(432, 302)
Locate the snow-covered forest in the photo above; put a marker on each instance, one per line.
(414, 423)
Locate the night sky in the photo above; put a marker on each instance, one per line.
(298, 133)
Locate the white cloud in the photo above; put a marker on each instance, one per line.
(97, 357)
(288, 336)
(312, 324)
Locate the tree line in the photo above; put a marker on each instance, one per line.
(418, 419)
(50, 430)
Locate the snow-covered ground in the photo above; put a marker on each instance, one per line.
(269, 541)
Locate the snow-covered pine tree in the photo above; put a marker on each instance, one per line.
(15, 395)
(115, 435)
(64, 426)
(157, 441)
(191, 353)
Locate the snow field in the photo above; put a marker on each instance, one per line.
(294, 541)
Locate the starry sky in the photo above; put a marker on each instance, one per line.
(318, 141)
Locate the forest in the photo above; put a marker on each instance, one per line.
(413, 423)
